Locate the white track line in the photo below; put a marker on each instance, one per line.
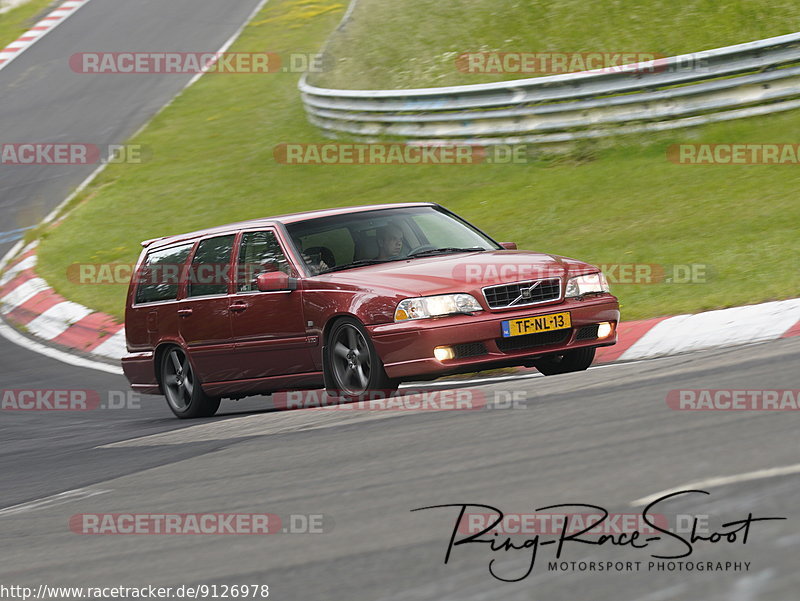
(12, 335)
(260, 424)
(59, 499)
(721, 481)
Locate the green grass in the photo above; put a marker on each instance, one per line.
(414, 43)
(17, 21)
(212, 163)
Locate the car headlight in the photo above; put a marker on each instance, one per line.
(435, 306)
(592, 283)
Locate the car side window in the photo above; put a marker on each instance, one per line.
(159, 275)
(259, 252)
(210, 270)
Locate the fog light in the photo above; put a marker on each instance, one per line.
(443, 353)
(604, 329)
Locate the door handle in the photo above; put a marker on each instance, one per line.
(238, 307)
(184, 312)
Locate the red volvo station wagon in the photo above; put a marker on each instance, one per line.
(354, 300)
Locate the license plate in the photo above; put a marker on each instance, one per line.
(532, 325)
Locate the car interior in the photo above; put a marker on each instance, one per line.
(351, 242)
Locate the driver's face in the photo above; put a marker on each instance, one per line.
(392, 244)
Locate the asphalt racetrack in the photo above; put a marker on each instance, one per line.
(604, 437)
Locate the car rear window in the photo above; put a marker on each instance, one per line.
(159, 275)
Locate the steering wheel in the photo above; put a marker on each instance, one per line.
(421, 248)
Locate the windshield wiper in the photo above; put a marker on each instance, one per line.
(359, 263)
(422, 253)
(446, 250)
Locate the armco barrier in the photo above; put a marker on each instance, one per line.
(754, 78)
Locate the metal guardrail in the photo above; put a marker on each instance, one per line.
(753, 78)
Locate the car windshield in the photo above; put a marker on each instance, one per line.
(352, 240)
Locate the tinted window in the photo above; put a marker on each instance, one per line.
(210, 272)
(259, 252)
(159, 275)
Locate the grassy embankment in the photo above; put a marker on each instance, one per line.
(414, 43)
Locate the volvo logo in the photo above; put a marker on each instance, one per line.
(528, 292)
(525, 293)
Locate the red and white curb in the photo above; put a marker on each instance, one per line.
(28, 302)
(711, 329)
(38, 31)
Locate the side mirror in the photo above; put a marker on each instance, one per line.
(274, 281)
(509, 245)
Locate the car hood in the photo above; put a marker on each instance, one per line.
(462, 272)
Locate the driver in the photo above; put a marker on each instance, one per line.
(315, 264)
(390, 241)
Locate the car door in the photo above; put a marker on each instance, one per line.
(152, 318)
(203, 315)
(268, 327)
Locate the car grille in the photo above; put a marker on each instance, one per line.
(514, 295)
(517, 343)
(587, 333)
(469, 349)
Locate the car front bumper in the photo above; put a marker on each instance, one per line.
(406, 348)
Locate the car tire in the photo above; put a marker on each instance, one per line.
(352, 368)
(182, 387)
(566, 362)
